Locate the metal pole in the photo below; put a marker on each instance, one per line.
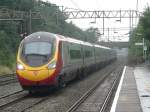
(130, 21)
(103, 23)
(108, 34)
(30, 21)
(120, 16)
(143, 50)
(57, 15)
(145, 56)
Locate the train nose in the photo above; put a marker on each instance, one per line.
(34, 75)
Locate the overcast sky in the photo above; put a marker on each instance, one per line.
(101, 4)
(120, 27)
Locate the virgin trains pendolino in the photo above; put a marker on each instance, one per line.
(46, 60)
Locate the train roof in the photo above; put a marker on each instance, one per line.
(100, 46)
(39, 36)
(72, 40)
(65, 38)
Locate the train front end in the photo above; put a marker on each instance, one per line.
(38, 61)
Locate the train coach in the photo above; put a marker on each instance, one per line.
(46, 60)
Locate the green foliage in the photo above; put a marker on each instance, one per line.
(145, 23)
(91, 34)
(22, 5)
(8, 46)
(8, 43)
(134, 50)
(136, 36)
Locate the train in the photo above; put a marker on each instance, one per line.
(46, 60)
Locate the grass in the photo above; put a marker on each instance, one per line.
(6, 70)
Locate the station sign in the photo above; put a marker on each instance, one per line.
(138, 44)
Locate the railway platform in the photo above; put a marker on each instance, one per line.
(133, 92)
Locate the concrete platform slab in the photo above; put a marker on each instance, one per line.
(128, 98)
(142, 76)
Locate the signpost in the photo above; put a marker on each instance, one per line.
(144, 48)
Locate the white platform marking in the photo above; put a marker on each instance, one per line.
(113, 108)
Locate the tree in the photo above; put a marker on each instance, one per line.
(136, 36)
(92, 34)
(145, 23)
(22, 5)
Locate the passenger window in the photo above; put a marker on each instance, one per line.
(75, 54)
(88, 53)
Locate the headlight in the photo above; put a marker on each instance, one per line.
(52, 65)
(20, 66)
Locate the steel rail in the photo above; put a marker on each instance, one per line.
(6, 82)
(40, 101)
(7, 79)
(17, 99)
(11, 94)
(108, 97)
(88, 93)
(7, 75)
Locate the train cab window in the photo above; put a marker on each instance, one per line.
(41, 48)
(37, 53)
(75, 54)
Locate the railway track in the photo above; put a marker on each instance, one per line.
(110, 93)
(12, 98)
(35, 103)
(7, 79)
(6, 75)
(11, 94)
(23, 102)
(103, 107)
(88, 93)
(15, 97)
(20, 96)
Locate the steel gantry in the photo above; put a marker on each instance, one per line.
(78, 14)
(104, 14)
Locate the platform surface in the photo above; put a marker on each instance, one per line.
(142, 76)
(128, 100)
